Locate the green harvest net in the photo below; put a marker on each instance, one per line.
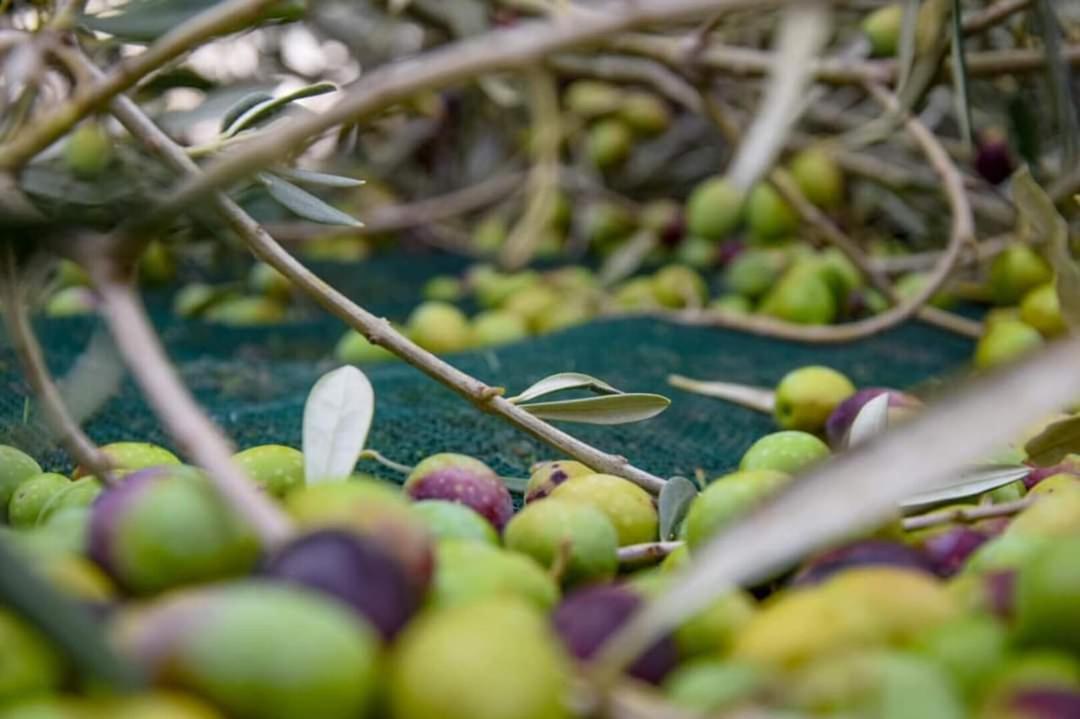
(254, 381)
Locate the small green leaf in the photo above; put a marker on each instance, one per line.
(63, 621)
(337, 418)
(871, 421)
(305, 204)
(143, 21)
(265, 111)
(978, 481)
(318, 179)
(1038, 212)
(564, 381)
(1052, 444)
(611, 409)
(241, 106)
(675, 499)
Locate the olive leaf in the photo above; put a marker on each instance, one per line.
(674, 503)
(337, 418)
(960, 75)
(1052, 444)
(564, 381)
(756, 398)
(1037, 210)
(241, 106)
(303, 203)
(976, 482)
(67, 624)
(802, 33)
(143, 21)
(264, 111)
(871, 421)
(621, 408)
(317, 179)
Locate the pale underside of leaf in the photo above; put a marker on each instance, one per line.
(564, 381)
(857, 491)
(802, 33)
(337, 418)
(976, 482)
(674, 503)
(317, 179)
(609, 409)
(303, 203)
(871, 421)
(756, 398)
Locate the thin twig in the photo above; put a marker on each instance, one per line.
(195, 434)
(376, 329)
(75, 442)
(967, 514)
(996, 13)
(221, 18)
(456, 62)
(637, 555)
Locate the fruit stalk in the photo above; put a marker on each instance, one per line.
(376, 329)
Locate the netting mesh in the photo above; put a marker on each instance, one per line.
(254, 381)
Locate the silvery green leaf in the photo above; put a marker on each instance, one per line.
(976, 482)
(564, 381)
(1055, 441)
(337, 417)
(241, 106)
(628, 257)
(610, 409)
(675, 499)
(265, 111)
(756, 398)
(318, 179)
(143, 21)
(1037, 210)
(93, 379)
(872, 420)
(303, 203)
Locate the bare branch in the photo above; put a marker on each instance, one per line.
(221, 18)
(75, 442)
(376, 329)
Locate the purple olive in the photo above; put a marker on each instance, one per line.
(858, 554)
(461, 479)
(949, 550)
(728, 251)
(585, 619)
(993, 161)
(1001, 591)
(1045, 703)
(1038, 474)
(839, 422)
(351, 568)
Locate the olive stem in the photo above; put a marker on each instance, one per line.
(384, 461)
(967, 514)
(376, 329)
(755, 398)
(195, 433)
(636, 555)
(70, 435)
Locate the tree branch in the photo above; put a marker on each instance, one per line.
(221, 18)
(75, 442)
(376, 329)
(194, 432)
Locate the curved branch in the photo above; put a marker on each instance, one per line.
(376, 329)
(453, 63)
(70, 435)
(221, 18)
